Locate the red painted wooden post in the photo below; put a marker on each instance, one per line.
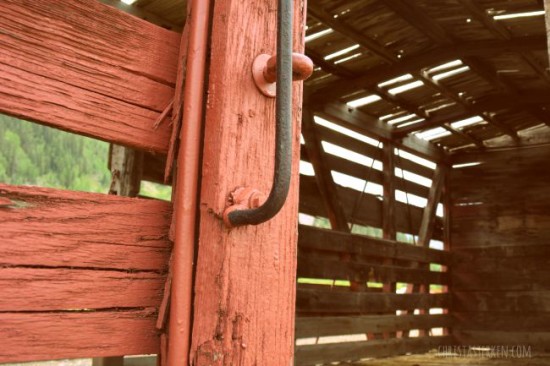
(245, 277)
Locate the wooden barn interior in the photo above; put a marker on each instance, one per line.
(424, 189)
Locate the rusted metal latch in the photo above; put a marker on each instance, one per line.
(264, 70)
(249, 206)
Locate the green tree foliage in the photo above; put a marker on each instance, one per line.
(31, 154)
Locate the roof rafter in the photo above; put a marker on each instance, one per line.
(377, 49)
(487, 104)
(439, 55)
(363, 123)
(417, 18)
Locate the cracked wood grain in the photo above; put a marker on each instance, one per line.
(87, 68)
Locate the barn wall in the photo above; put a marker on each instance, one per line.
(500, 237)
(357, 292)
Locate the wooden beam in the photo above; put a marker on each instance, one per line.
(529, 103)
(338, 302)
(500, 31)
(439, 55)
(61, 289)
(326, 240)
(323, 174)
(362, 123)
(411, 12)
(126, 167)
(390, 98)
(344, 325)
(420, 20)
(407, 218)
(366, 149)
(388, 205)
(429, 214)
(76, 224)
(533, 341)
(66, 76)
(75, 263)
(361, 172)
(245, 277)
(58, 335)
(327, 19)
(350, 351)
(317, 267)
(502, 301)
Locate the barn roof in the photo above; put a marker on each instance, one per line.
(455, 73)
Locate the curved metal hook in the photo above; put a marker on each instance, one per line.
(244, 212)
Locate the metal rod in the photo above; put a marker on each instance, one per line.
(283, 134)
(187, 186)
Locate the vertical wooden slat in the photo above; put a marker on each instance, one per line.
(126, 166)
(429, 215)
(388, 208)
(323, 174)
(245, 277)
(426, 230)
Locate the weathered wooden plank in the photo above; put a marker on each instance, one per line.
(54, 228)
(429, 215)
(326, 240)
(322, 353)
(356, 120)
(80, 66)
(537, 341)
(502, 301)
(317, 301)
(520, 251)
(315, 267)
(245, 277)
(342, 325)
(48, 289)
(347, 142)
(389, 184)
(507, 322)
(126, 166)
(505, 279)
(47, 336)
(439, 55)
(464, 261)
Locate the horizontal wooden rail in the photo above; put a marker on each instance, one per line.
(336, 302)
(54, 228)
(316, 267)
(343, 325)
(501, 301)
(82, 273)
(323, 353)
(313, 238)
(528, 321)
(54, 335)
(87, 68)
(538, 342)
